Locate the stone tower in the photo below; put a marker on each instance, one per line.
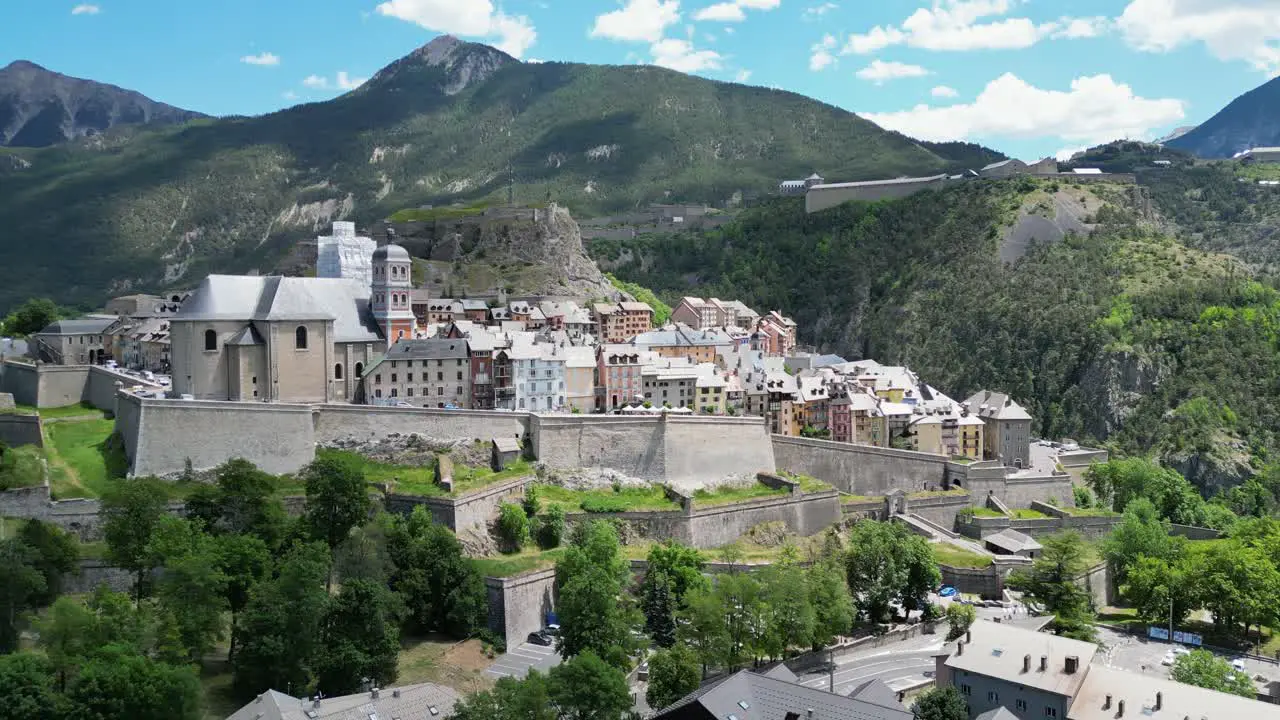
(391, 290)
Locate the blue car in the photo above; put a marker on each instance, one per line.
(946, 591)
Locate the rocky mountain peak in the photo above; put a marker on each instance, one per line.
(464, 64)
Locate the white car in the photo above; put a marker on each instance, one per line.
(1181, 651)
(1168, 659)
(1238, 665)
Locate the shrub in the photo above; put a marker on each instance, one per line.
(532, 505)
(597, 504)
(959, 617)
(1083, 496)
(513, 526)
(551, 530)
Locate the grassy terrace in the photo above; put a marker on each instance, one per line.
(850, 498)
(1091, 512)
(727, 495)
(948, 554)
(421, 479)
(808, 483)
(83, 410)
(937, 493)
(986, 512)
(1027, 514)
(621, 499)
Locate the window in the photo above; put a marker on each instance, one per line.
(1020, 704)
(394, 393)
(439, 363)
(408, 377)
(359, 369)
(459, 374)
(300, 338)
(439, 390)
(377, 393)
(337, 371)
(255, 379)
(966, 690)
(439, 377)
(1050, 711)
(409, 392)
(393, 364)
(377, 378)
(393, 377)
(210, 340)
(993, 696)
(458, 390)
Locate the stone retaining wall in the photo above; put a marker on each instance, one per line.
(518, 605)
(470, 511)
(18, 430)
(860, 469)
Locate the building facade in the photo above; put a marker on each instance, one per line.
(619, 322)
(1007, 435)
(82, 341)
(431, 373)
(618, 376)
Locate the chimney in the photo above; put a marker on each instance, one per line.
(1044, 663)
(1159, 700)
(1026, 663)
(809, 713)
(1073, 664)
(1120, 708)
(1106, 704)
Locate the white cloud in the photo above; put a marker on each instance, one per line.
(1065, 153)
(86, 9)
(1247, 30)
(341, 81)
(722, 12)
(943, 91)
(682, 56)
(472, 18)
(1096, 109)
(822, 57)
(969, 25)
(289, 95)
(637, 21)
(265, 58)
(881, 72)
(760, 4)
(743, 76)
(818, 11)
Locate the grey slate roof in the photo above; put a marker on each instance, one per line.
(429, 349)
(78, 326)
(1012, 541)
(995, 406)
(410, 701)
(748, 696)
(999, 713)
(876, 692)
(246, 298)
(247, 336)
(390, 252)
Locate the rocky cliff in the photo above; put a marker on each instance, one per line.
(524, 251)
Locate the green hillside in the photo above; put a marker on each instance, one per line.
(1124, 335)
(452, 122)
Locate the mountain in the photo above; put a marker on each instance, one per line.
(1119, 335)
(1251, 120)
(451, 122)
(39, 107)
(1175, 133)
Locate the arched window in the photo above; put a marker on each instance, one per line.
(300, 338)
(210, 340)
(337, 371)
(359, 370)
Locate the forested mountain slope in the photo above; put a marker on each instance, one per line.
(1123, 335)
(451, 122)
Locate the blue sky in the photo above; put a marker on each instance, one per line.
(1029, 77)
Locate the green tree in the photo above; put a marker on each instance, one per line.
(361, 639)
(1052, 582)
(21, 586)
(365, 554)
(531, 504)
(702, 627)
(1153, 581)
(118, 683)
(57, 553)
(680, 564)
(337, 498)
(673, 673)
(551, 528)
(1204, 669)
(131, 511)
(510, 699)
(1140, 534)
(192, 586)
(1238, 585)
(659, 609)
(829, 596)
(789, 614)
(68, 634)
(513, 527)
(30, 317)
(941, 703)
(442, 590)
(282, 624)
(29, 690)
(886, 562)
(960, 617)
(242, 501)
(584, 687)
(244, 561)
(590, 579)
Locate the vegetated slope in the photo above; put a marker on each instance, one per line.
(1251, 120)
(451, 122)
(1122, 335)
(40, 108)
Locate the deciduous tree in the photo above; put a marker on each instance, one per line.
(131, 511)
(361, 639)
(941, 703)
(1204, 669)
(584, 687)
(960, 617)
(673, 673)
(442, 590)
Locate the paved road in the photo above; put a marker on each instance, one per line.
(899, 665)
(515, 662)
(1143, 655)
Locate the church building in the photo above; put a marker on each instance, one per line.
(290, 339)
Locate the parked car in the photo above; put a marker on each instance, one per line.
(1168, 659)
(946, 591)
(1181, 651)
(541, 637)
(643, 673)
(1238, 665)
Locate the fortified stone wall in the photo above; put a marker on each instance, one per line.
(22, 381)
(864, 510)
(79, 516)
(50, 386)
(1051, 489)
(334, 423)
(167, 433)
(860, 469)
(658, 525)
(18, 430)
(939, 510)
(821, 198)
(803, 513)
(472, 510)
(984, 582)
(25, 502)
(93, 573)
(519, 605)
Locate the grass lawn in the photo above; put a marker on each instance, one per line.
(808, 483)
(81, 465)
(1092, 512)
(937, 493)
(727, 495)
(650, 497)
(530, 558)
(1028, 514)
(76, 411)
(421, 479)
(987, 512)
(948, 554)
(849, 499)
(445, 661)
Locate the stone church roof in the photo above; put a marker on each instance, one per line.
(249, 298)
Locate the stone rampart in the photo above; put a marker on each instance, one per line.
(166, 434)
(335, 423)
(803, 513)
(518, 605)
(985, 582)
(821, 197)
(650, 525)
(703, 449)
(470, 511)
(860, 469)
(16, 429)
(939, 509)
(21, 380)
(1092, 527)
(851, 512)
(1052, 489)
(1191, 532)
(91, 573)
(27, 502)
(50, 386)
